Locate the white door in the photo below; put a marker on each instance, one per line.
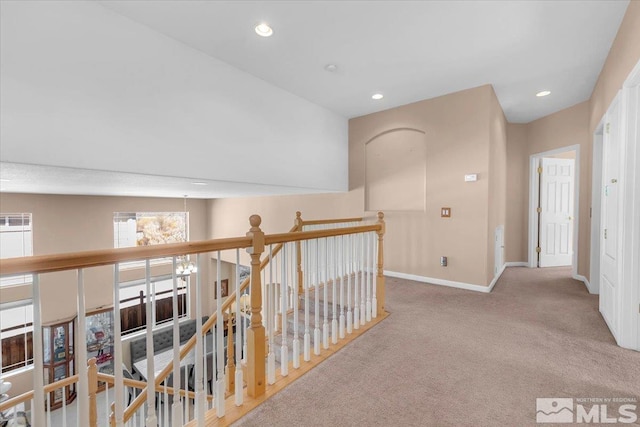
(556, 212)
(609, 218)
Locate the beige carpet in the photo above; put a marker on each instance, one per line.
(449, 357)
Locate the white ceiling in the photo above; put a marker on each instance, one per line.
(407, 50)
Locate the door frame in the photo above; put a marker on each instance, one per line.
(534, 196)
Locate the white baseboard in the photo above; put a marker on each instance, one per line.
(441, 282)
(497, 276)
(585, 281)
(517, 264)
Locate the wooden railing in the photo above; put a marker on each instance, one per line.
(256, 244)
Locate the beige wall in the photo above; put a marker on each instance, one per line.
(497, 179)
(457, 128)
(623, 56)
(517, 193)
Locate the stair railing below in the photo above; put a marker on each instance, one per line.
(272, 323)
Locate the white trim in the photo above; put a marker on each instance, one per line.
(584, 280)
(516, 264)
(534, 190)
(596, 203)
(449, 283)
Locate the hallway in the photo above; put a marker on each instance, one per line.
(452, 357)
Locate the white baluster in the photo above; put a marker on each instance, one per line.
(198, 381)
(239, 333)
(176, 408)
(220, 383)
(316, 331)
(64, 407)
(49, 411)
(363, 305)
(284, 292)
(296, 315)
(271, 357)
(166, 403)
(307, 273)
(349, 257)
(107, 410)
(374, 298)
(369, 270)
(334, 291)
(81, 353)
(325, 295)
(151, 420)
(118, 389)
(38, 363)
(341, 261)
(356, 284)
(185, 400)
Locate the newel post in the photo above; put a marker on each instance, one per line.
(380, 274)
(298, 223)
(256, 352)
(93, 389)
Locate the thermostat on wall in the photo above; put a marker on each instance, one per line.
(471, 177)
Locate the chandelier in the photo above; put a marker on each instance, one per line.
(184, 267)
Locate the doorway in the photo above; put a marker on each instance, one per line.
(553, 208)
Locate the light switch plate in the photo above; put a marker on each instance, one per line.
(445, 212)
(472, 177)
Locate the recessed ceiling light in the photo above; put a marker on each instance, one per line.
(543, 93)
(332, 68)
(264, 30)
(377, 96)
(199, 183)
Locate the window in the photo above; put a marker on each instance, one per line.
(133, 308)
(149, 228)
(145, 229)
(16, 240)
(16, 335)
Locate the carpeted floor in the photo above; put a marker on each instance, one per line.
(449, 357)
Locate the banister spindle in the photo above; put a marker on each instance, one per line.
(118, 387)
(380, 280)
(81, 354)
(334, 291)
(256, 384)
(239, 334)
(284, 349)
(348, 258)
(151, 419)
(219, 336)
(296, 303)
(37, 412)
(341, 261)
(176, 408)
(200, 351)
(363, 284)
(316, 331)
(307, 333)
(356, 283)
(325, 295)
(369, 272)
(270, 312)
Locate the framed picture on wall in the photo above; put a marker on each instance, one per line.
(224, 288)
(99, 332)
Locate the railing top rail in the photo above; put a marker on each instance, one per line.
(318, 234)
(331, 221)
(75, 260)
